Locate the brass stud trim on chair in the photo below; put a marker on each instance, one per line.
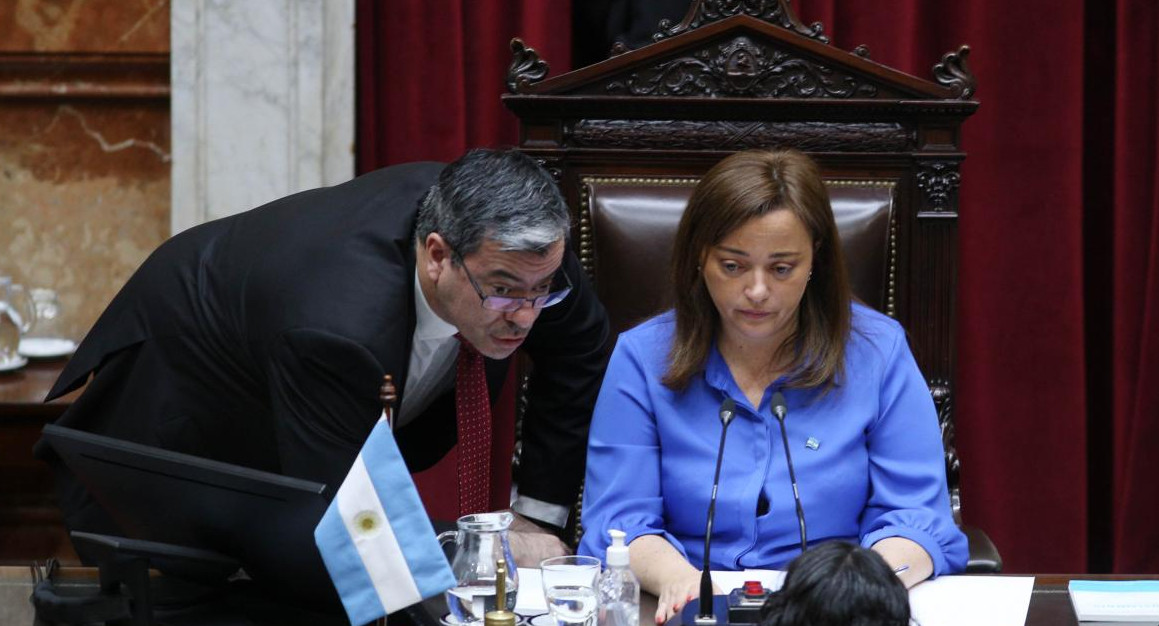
(891, 302)
(891, 246)
(587, 246)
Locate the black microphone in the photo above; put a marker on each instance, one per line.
(705, 615)
(780, 410)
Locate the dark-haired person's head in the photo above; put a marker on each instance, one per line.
(501, 195)
(757, 259)
(838, 584)
(490, 236)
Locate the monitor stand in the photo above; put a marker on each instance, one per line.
(126, 591)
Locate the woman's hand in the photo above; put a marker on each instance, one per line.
(677, 592)
(664, 572)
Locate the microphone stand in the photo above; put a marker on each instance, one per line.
(705, 615)
(780, 410)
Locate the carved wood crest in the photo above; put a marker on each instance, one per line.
(952, 72)
(526, 67)
(738, 135)
(742, 67)
(941, 392)
(939, 180)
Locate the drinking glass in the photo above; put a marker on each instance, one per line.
(569, 584)
(46, 305)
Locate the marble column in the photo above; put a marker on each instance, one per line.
(262, 102)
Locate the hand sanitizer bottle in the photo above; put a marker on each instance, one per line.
(618, 588)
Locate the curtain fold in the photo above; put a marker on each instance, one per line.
(430, 73)
(1135, 275)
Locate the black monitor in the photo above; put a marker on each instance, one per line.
(265, 521)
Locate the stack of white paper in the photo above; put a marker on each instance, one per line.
(1115, 600)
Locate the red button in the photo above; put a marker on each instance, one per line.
(753, 588)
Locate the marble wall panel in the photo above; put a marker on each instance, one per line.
(84, 25)
(84, 146)
(263, 102)
(84, 198)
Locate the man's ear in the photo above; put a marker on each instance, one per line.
(438, 255)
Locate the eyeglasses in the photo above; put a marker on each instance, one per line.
(511, 304)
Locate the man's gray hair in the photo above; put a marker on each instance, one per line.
(502, 195)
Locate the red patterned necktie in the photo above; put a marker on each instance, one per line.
(473, 410)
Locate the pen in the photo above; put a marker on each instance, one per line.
(899, 569)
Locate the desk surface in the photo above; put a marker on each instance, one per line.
(1049, 604)
(22, 391)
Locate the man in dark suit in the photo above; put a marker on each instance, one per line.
(261, 339)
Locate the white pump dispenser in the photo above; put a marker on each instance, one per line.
(619, 590)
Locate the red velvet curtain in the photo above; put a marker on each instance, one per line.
(1057, 399)
(1057, 396)
(1134, 272)
(430, 73)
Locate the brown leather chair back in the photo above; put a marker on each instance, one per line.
(633, 223)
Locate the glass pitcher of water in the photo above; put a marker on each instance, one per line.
(480, 541)
(16, 316)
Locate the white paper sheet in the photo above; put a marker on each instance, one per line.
(972, 600)
(529, 598)
(946, 601)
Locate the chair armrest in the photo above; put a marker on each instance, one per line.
(984, 557)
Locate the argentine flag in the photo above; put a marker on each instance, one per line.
(376, 539)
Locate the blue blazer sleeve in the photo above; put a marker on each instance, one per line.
(908, 493)
(622, 488)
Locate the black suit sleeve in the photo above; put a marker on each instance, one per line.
(324, 395)
(567, 348)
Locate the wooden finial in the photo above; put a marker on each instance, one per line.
(388, 395)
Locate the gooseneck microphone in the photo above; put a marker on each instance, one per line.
(705, 614)
(780, 410)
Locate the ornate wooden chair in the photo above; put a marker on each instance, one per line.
(627, 138)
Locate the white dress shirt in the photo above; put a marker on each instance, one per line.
(432, 360)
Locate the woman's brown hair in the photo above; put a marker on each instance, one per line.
(744, 186)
